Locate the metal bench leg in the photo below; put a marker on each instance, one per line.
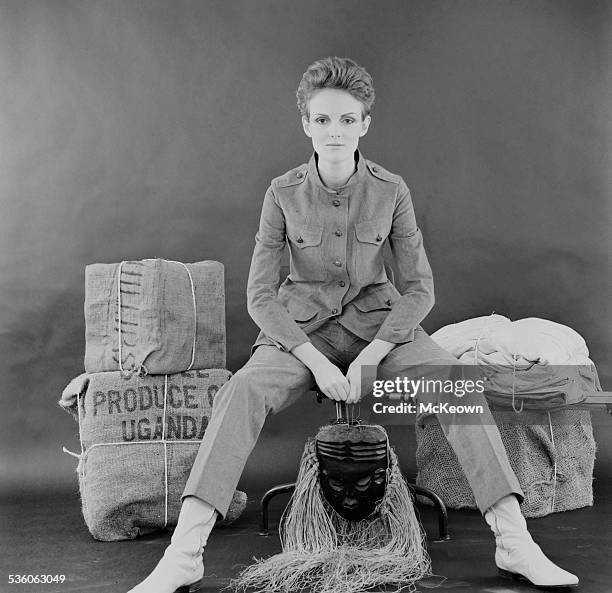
(265, 501)
(444, 534)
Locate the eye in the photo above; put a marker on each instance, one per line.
(320, 120)
(363, 483)
(336, 485)
(348, 121)
(379, 476)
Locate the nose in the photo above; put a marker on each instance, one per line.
(334, 132)
(350, 503)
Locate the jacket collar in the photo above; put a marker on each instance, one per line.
(357, 177)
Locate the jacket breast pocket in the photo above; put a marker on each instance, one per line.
(305, 247)
(368, 260)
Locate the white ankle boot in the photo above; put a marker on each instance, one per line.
(181, 568)
(517, 555)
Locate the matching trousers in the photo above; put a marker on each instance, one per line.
(272, 379)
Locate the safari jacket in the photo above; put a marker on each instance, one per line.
(335, 239)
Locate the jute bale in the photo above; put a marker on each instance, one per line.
(555, 471)
(136, 458)
(171, 318)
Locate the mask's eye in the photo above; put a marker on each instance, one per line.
(363, 484)
(379, 476)
(336, 485)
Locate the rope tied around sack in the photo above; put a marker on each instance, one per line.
(480, 335)
(165, 451)
(141, 369)
(552, 439)
(514, 359)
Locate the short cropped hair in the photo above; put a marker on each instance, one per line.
(336, 73)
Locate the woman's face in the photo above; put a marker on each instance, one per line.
(335, 124)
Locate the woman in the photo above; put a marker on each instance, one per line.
(335, 313)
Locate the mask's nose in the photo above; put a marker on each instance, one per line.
(350, 503)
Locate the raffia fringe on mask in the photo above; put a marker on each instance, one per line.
(325, 553)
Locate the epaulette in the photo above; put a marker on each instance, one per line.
(294, 176)
(382, 173)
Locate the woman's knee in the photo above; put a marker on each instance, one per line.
(406, 362)
(238, 388)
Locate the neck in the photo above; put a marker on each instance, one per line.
(336, 174)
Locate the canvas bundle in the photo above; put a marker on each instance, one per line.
(552, 454)
(139, 438)
(155, 316)
(540, 387)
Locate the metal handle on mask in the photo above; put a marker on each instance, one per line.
(345, 413)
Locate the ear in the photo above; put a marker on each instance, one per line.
(365, 125)
(306, 126)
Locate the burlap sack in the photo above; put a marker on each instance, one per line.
(555, 472)
(154, 327)
(135, 457)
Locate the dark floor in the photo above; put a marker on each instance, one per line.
(46, 535)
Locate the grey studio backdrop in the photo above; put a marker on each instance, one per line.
(135, 129)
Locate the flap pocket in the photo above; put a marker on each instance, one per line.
(301, 311)
(379, 299)
(373, 231)
(306, 236)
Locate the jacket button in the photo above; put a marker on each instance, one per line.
(338, 233)
(300, 240)
(336, 203)
(379, 237)
(338, 263)
(342, 283)
(388, 301)
(299, 174)
(334, 311)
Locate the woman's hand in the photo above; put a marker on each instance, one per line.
(328, 376)
(370, 356)
(353, 376)
(331, 381)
